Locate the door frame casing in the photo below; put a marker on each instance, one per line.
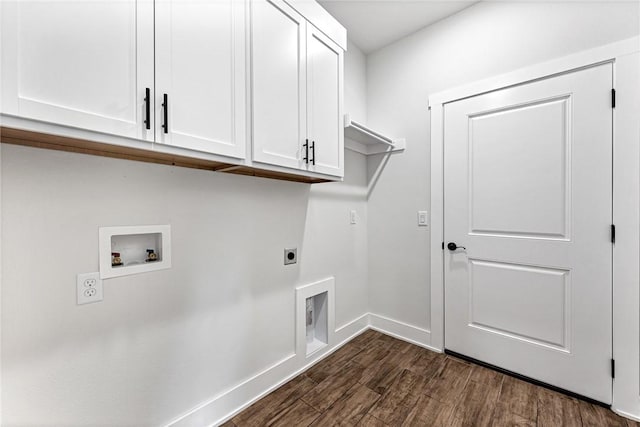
(625, 57)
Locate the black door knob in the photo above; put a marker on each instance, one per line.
(452, 246)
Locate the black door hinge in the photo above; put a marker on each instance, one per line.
(443, 246)
(613, 368)
(613, 233)
(613, 98)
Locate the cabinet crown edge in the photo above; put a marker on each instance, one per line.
(313, 12)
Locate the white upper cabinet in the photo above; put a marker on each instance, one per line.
(201, 70)
(278, 83)
(84, 64)
(325, 64)
(297, 77)
(187, 75)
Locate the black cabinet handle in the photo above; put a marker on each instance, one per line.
(313, 152)
(452, 246)
(306, 151)
(147, 108)
(165, 109)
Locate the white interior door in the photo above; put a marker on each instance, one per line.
(79, 63)
(325, 65)
(201, 68)
(278, 52)
(528, 178)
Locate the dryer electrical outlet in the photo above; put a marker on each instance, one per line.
(290, 256)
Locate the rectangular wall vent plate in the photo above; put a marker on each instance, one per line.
(322, 296)
(133, 244)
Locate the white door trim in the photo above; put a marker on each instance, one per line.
(626, 200)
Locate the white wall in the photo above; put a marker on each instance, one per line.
(162, 343)
(486, 39)
(355, 89)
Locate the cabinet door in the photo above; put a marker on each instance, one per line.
(279, 88)
(325, 63)
(79, 63)
(201, 67)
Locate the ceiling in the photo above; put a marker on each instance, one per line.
(372, 24)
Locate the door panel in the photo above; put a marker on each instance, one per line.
(324, 103)
(54, 72)
(200, 65)
(279, 87)
(528, 195)
(535, 304)
(515, 170)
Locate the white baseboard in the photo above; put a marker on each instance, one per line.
(228, 404)
(403, 331)
(352, 328)
(236, 398)
(626, 414)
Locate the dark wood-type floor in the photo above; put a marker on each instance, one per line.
(376, 380)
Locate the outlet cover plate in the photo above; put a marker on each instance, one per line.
(290, 256)
(88, 288)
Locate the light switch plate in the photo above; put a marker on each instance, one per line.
(423, 218)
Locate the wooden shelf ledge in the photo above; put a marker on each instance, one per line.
(82, 146)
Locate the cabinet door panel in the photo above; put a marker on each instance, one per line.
(278, 77)
(81, 64)
(324, 102)
(201, 66)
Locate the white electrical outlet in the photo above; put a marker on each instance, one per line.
(89, 288)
